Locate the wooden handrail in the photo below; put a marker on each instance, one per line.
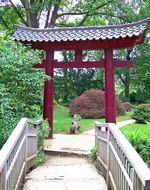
(11, 142)
(121, 164)
(17, 155)
(35, 123)
(136, 161)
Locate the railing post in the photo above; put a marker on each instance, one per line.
(108, 158)
(26, 149)
(96, 135)
(3, 185)
(137, 184)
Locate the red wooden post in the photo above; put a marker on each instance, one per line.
(78, 56)
(110, 105)
(48, 92)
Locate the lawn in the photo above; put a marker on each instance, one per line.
(62, 121)
(143, 129)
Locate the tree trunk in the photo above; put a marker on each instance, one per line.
(127, 78)
(126, 85)
(65, 92)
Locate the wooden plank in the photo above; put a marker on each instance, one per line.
(122, 64)
(120, 43)
(15, 158)
(86, 64)
(19, 181)
(11, 142)
(121, 166)
(31, 157)
(103, 164)
(112, 181)
(102, 139)
(81, 64)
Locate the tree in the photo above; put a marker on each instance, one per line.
(142, 77)
(20, 86)
(73, 82)
(53, 13)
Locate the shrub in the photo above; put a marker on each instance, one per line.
(20, 86)
(91, 105)
(42, 134)
(142, 113)
(141, 145)
(147, 101)
(128, 106)
(93, 154)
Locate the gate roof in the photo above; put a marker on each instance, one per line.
(111, 36)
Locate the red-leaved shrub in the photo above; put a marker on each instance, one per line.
(91, 104)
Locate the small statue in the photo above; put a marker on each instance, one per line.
(75, 128)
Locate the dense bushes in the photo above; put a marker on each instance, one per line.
(91, 105)
(142, 113)
(20, 86)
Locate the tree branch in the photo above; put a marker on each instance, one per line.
(47, 17)
(54, 15)
(96, 13)
(41, 8)
(4, 22)
(121, 78)
(18, 13)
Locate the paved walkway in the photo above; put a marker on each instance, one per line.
(65, 173)
(68, 173)
(81, 144)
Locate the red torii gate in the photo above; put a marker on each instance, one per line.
(108, 38)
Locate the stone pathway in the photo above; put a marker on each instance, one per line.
(70, 144)
(68, 173)
(65, 173)
(81, 144)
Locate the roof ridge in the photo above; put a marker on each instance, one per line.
(145, 21)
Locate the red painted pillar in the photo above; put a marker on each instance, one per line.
(110, 104)
(48, 92)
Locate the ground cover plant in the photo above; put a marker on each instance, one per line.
(139, 136)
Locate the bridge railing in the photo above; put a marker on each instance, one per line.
(121, 165)
(18, 154)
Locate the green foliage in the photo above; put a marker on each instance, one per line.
(90, 104)
(40, 157)
(43, 133)
(147, 101)
(93, 154)
(142, 114)
(73, 82)
(20, 85)
(141, 143)
(141, 128)
(142, 69)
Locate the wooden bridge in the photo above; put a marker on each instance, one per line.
(120, 164)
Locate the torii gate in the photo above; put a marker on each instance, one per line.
(108, 38)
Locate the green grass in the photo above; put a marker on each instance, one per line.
(143, 129)
(62, 120)
(125, 117)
